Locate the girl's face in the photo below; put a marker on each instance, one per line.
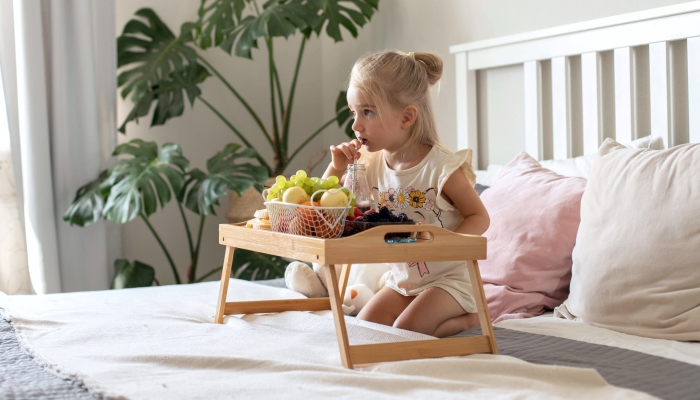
(373, 132)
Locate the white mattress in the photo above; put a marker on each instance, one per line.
(161, 343)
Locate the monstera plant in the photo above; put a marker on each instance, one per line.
(146, 176)
(160, 68)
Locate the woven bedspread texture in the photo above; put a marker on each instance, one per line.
(161, 343)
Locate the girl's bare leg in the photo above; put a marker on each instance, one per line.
(435, 312)
(385, 306)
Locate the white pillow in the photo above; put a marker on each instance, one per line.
(636, 263)
(576, 167)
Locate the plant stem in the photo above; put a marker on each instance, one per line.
(162, 246)
(239, 134)
(187, 227)
(195, 256)
(275, 127)
(238, 96)
(313, 135)
(208, 274)
(290, 101)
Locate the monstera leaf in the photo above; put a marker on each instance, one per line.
(252, 266)
(337, 14)
(137, 183)
(128, 275)
(280, 18)
(224, 20)
(202, 190)
(89, 201)
(343, 113)
(162, 67)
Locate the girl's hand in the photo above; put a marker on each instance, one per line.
(344, 154)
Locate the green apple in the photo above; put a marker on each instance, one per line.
(295, 195)
(335, 198)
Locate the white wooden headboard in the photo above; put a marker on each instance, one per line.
(622, 77)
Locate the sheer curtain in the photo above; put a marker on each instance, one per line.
(58, 65)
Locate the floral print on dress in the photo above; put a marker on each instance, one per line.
(416, 198)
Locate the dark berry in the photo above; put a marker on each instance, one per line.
(384, 212)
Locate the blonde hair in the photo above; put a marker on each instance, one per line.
(396, 79)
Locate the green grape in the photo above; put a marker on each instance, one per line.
(333, 179)
(351, 212)
(278, 186)
(309, 182)
(301, 174)
(335, 186)
(271, 196)
(353, 202)
(274, 190)
(293, 178)
(281, 193)
(325, 184)
(308, 190)
(281, 178)
(346, 191)
(299, 182)
(288, 184)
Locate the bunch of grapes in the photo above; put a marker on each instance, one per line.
(310, 185)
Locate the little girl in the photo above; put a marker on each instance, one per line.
(410, 172)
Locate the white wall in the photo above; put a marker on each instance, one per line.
(407, 25)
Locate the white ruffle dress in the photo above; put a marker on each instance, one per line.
(417, 192)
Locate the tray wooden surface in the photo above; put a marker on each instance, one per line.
(433, 244)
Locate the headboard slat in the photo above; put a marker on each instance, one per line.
(561, 108)
(591, 102)
(659, 90)
(623, 94)
(694, 89)
(532, 74)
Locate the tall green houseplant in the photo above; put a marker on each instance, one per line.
(158, 69)
(161, 68)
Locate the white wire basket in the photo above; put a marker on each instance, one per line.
(311, 220)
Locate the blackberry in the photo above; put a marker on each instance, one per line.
(372, 217)
(401, 217)
(385, 213)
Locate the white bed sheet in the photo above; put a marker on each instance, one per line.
(161, 343)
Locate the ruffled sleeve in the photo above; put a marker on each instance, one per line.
(461, 160)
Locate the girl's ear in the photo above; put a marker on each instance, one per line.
(410, 114)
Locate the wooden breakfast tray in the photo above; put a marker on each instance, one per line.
(432, 244)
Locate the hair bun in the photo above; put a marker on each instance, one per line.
(432, 63)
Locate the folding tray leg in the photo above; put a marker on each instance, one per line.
(481, 304)
(343, 283)
(223, 287)
(338, 316)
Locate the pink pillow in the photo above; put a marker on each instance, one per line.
(535, 214)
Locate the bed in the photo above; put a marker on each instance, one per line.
(623, 77)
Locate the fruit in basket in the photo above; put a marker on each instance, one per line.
(335, 198)
(295, 195)
(309, 216)
(329, 229)
(297, 227)
(309, 184)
